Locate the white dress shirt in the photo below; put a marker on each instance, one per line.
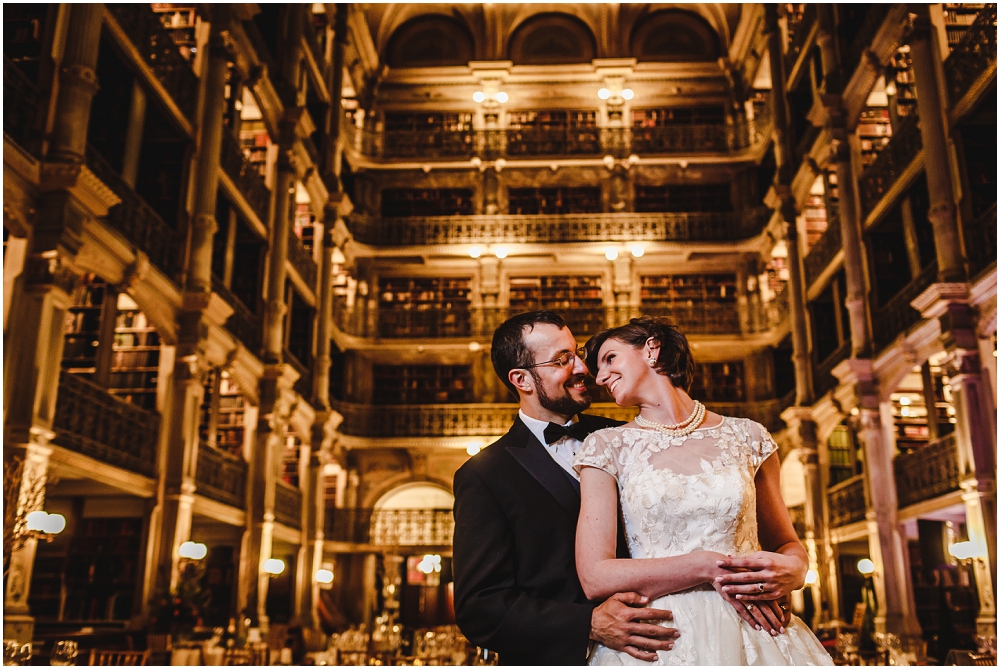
(563, 450)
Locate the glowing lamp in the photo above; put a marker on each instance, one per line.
(611, 254)
(472, 449)
(628, 94)
(502, 97)
(963, 550)
(192, 551)
(638, 251)
(324, 576)
(475, 252)
(47, 523)
(274, 566)
(604, 94)
(866, 566)
(500, 252)
(478, 96)
(811, 577)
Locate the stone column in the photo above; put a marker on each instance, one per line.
(933, 132)
(41, 294)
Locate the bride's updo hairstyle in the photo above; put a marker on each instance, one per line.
(675, 360)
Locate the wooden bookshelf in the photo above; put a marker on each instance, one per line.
(255, 141)
(422, 384)
(102, 568)
(222, 413)
(552, 132)
(428, 122)
(901, 71)
(678, 116)
(304, 225)
(136, 356)
(957, 19)
(552, 119)
(424, 306)
(82, 336)
(399, 202)
(578, 299)
(843, 454)
(814, 213)
(181, 21)
(290, 457)
(558, 200)
(719, 382)
(688, 198)
(874, 131)
(670, 290)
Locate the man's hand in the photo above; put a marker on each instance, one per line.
(624, 623)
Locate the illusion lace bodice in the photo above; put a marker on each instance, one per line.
(684, 494)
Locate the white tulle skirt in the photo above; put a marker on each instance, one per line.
(712, 633)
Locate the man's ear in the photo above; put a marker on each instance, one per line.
(522, 380)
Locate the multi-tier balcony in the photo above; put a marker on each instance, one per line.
(391, 527)
(221, 476)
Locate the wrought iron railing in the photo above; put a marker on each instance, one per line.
(798, 515)
(20, 108)
(820, 255)
(981, 241)
(560, 141)
(862, 39)
(544, 229)
(904, 146)
(897, 315)
(823, 379)
(243, 324)
(288, 505)
(95, 423)
(244, 175)
(974, 55)
(927, 472)
(490, 420)
(699, 318)
(146, 32)
(847, 501)
(135, 219)
(391, 527)
(301, 259)
(221, 476)
(800, 30)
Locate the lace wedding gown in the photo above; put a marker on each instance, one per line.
(684, 494)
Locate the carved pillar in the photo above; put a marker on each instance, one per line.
(314, 500)
(942, 213)
(133, 134)
(886, 538)
(41, 294)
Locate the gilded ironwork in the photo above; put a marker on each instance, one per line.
(288, 505)
(847, 501)
(244, 175)
(301, 259)
(823, 251)
(974, 55)
(904, 146)
(981, 242)
(927, 472)
(221, 476)
(897, 315)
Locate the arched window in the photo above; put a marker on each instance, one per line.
(674, 35)
(433, 40)
(416, 496)
(552, 39)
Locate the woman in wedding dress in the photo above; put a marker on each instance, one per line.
(709, 535)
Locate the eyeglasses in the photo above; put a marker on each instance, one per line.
(563, 360)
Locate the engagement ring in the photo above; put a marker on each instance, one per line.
(760, 587)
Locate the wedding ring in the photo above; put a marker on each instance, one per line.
(760, 587)
(750, 607)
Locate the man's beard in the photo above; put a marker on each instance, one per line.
(564, 405)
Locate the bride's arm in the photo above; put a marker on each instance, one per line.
(602, 575)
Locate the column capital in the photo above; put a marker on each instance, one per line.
(938, 297)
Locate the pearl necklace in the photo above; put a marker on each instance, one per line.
(684, 428)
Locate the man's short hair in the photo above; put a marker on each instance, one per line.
(509, 351)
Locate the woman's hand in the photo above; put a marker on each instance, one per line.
(762, 576)
(766, 616)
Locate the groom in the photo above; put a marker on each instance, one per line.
(516, 508)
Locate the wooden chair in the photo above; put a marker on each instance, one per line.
(118, 658)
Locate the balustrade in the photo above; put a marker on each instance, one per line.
(135, 219)
(20, 109)
(547, 229)
(391, 527)
(248, 181)
(221, 476)
(847, 501)
(897, 315)
(91, 421)
(288, 505)
(927, 472)
(974, 55)
(981, 241)
(820, 255)
(243, 324)
(301, 259)
(511, 143)
(904, 146)
(146, 32)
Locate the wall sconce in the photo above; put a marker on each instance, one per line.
(866, 567)
(324, 575)
(611, 254)
(475, 252)
(42, 525)
(497, 97)
(274, 566)
(190, 550)
(638, 251)
(500, 252)
(616, 95)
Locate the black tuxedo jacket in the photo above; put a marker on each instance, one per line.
(516, 587)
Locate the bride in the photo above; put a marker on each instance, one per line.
(702, 508)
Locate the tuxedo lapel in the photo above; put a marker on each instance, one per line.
(531, 455)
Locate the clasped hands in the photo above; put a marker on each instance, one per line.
(758, 586)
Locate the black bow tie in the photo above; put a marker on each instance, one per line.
(555, 432)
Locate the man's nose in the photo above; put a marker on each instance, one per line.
(579, 366)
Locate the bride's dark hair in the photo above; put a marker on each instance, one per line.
(675, 360)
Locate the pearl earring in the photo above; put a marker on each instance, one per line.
(652, 361)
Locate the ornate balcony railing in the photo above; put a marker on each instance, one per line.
(974, 55)
(244, 175)
(161, 54)
(981, 241)
(288, 505)
(303, 385)
(862, 39)
(511, 143)
(897, 315)
(91, 421)
(391, 527)
(798, 516)
(847, 501)
(302, 260)
(243, 324)
(221, 476)
(800, 30)
(20, 109)
(547, 229)
(490, 420)
(823, 379)
(820, 255)
(135, 219)
(928, 472)
(700, 318)
(904, 146)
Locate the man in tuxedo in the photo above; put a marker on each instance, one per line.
(516, 509)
